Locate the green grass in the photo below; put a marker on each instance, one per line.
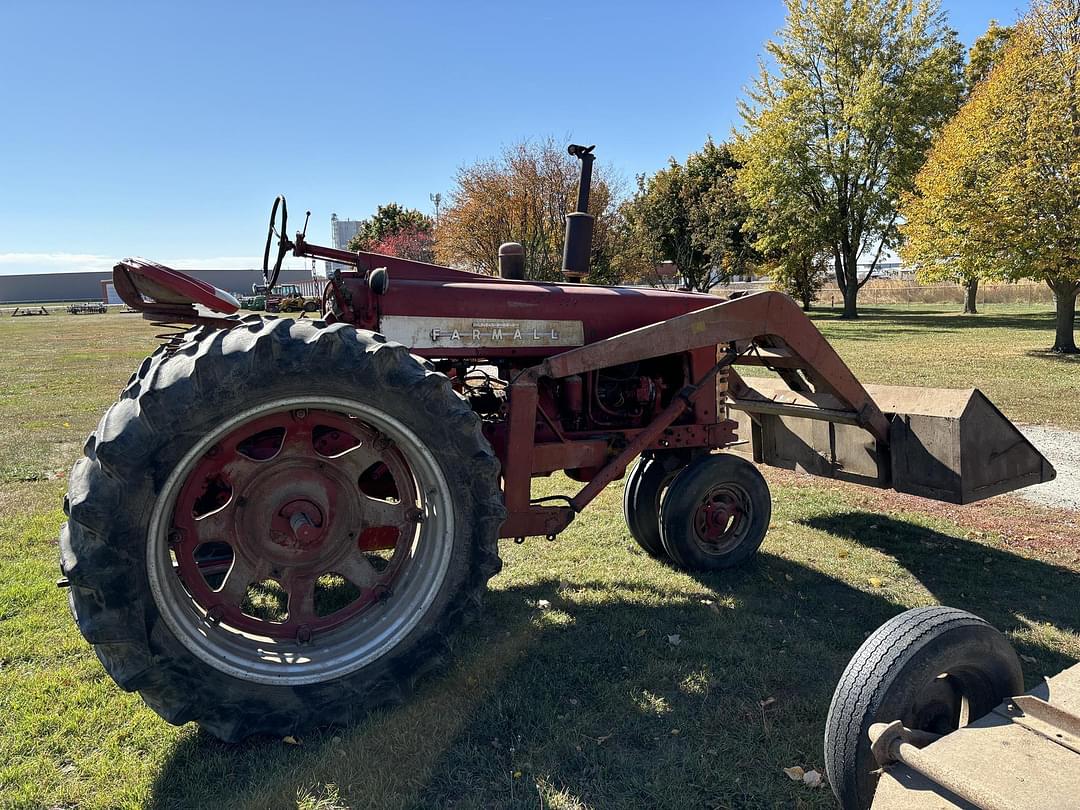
(583, 704)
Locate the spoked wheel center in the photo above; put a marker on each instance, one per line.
(295, 523)
(722, 517)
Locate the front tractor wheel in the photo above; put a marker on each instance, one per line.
(277, 527)
(715, 513)
(645, 485)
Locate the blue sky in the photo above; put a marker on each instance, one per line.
(166, 129)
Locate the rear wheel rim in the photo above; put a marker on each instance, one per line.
(285, 493)
(722, 518)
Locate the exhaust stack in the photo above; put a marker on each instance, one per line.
(579, 224)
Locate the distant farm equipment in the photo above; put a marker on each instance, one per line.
(88, 308)
(280, 298)
(20, 312)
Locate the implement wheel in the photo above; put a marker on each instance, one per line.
(715, 513)
(645, 485)
(277, 527)
(934, 669)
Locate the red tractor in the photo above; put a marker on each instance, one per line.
(280, 522)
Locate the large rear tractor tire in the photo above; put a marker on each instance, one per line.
(934, 669)
(715, 513)
(278, 526)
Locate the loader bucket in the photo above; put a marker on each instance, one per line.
(946, 444)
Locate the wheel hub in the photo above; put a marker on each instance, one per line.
(722, 515)
(285, 494)
(295, 512)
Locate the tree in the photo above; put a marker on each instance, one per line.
(1000, 194)
(389, 221)
(692, 215)
(523, 196)
(410, 242)
(985, 53)
(963, 187)
(794, 254)
(839, 126)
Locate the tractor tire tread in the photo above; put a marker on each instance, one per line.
(101, 560)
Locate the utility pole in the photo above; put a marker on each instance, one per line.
(436, 199)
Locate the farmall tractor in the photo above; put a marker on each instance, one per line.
(280, 522)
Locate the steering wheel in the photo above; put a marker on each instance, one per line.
(270, 277)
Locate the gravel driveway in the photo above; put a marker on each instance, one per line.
(1062, 448)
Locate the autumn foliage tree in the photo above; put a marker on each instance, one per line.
(839, 120)
(523, 195)
(999, 195)
(948, 163)
(396, 231)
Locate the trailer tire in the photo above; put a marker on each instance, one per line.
(896, 675)
(645, 485)
(715, 513)
(121, 549)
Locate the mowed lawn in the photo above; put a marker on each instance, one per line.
(634, 685)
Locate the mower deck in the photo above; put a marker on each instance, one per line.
(1024, 755)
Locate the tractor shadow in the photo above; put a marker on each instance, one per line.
(648, 688)
(1011, 592)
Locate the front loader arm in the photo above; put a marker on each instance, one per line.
(768, 322)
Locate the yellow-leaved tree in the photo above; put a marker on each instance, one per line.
(999, 195)
(523, 196)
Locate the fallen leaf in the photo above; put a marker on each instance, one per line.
(543, 604)
(789, 577)
(674, 640)
(842, 553)
(767, 702)
(875, 582)
(812, 779)
(517, 774)
(640, 633)
(290, 740)
(794, 774)
(675, 732)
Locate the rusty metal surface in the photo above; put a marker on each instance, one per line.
(762, 315)
(1014, 756)
(949, 445)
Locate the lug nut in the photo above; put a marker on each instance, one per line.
(299, 414)
(175, 537)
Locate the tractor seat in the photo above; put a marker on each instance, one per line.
(153, 287)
